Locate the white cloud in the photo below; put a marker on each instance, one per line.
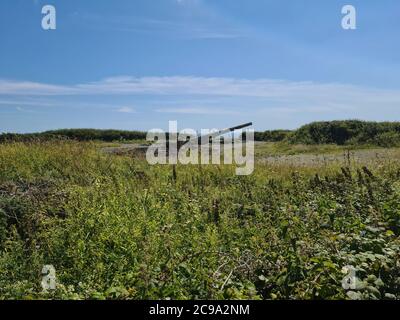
(24, 110)
(9, 87)
(197, 110)
(126, 110)
(307, 96)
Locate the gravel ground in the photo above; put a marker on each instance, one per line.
(354, 157)
(362, 157)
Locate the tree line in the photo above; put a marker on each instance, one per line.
(75, 134)
(346, 132)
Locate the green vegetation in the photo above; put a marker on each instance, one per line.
(349, 132)
(272, 135)
(285, 148)
(116, 228)
(74, 134)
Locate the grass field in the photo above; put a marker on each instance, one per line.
(116, 228)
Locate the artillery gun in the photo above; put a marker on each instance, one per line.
(199, 140)
(206, 139)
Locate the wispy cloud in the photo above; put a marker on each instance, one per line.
(20, 109)
(187, 19)
(334, 94)
(9, 87)
(273, 102)
(197, 111)
(126, 110)
(213, 96)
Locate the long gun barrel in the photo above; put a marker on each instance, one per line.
(205, 139)
(220, 133)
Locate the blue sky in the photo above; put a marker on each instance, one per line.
(135, 64)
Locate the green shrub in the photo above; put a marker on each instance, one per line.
(348, 132)
(115, 227)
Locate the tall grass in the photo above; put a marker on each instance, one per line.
(116, 228)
